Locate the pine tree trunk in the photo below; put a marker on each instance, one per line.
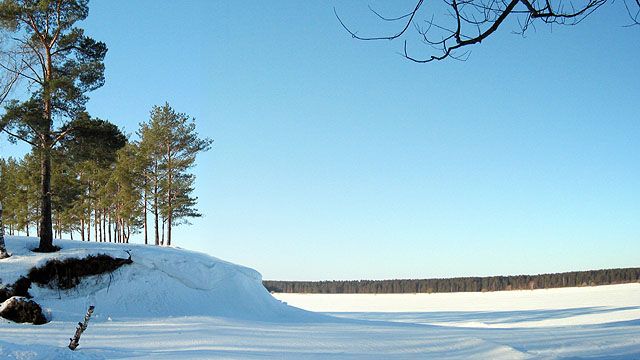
(121, 230)
(146, 239)
(169, 195)
(89, 225)
(46, 228)
(104, 225)
(155, 204)
(46, 231)
(169, 219)
(59, 224)
(26, 220)
(99, 224)
(95, 224)
(3, 249)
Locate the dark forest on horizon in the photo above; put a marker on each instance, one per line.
(459, 284)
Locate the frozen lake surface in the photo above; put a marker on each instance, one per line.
(500, 309)
(600, 322)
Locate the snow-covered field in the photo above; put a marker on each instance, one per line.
(500, 309)
(173, 303)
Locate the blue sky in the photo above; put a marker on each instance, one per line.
(338, 159)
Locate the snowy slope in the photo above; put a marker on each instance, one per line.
(160, 282)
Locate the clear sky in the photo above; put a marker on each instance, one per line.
(338, 159)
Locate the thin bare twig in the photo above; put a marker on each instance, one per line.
(411, 15)
(469, 22)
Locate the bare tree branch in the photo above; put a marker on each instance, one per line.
(468, 22)
(19, 73)
(410, 15)
(391, 19)
(635, 18)
(7, 86)
(22, 138)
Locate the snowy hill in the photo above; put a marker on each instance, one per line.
(160, 282)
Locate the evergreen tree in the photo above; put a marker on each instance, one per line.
(66, 189)
(60, 64)
(100, 184)
(90, 150)
(92, 139)
(4, 185)
(7, 186)
(170, 143)
(151, 174)
(125, 187)
(25, 196)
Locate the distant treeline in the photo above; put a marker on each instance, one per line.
(461, 284)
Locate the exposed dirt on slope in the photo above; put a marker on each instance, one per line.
(56, 274)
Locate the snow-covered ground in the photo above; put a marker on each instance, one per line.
(173, 303)
(500, 309)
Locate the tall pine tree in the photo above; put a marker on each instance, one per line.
(60, 65)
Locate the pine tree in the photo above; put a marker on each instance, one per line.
(125, 190)
(90, 150)
(27, 196)
(60, 64)
(170, 143)
(7, 186)
(66, 189)
(149, 168)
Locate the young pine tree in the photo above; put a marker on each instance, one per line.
(170, 143)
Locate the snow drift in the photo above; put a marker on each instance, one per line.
(161, 282)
